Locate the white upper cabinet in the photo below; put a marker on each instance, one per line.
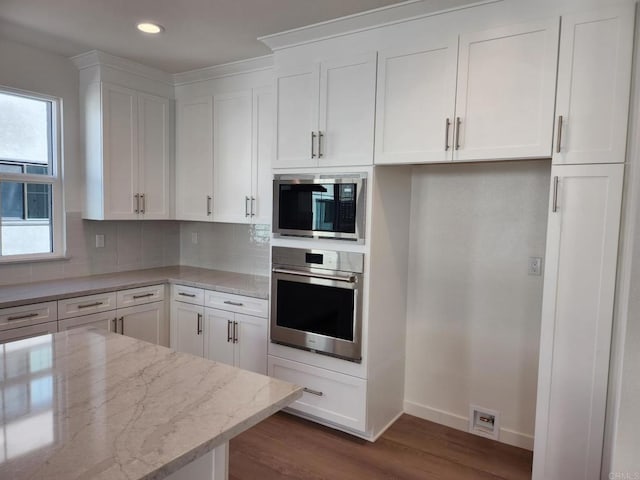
(127, 154)
(325, 113)
(505, 92)
(297, 92)
(153, 153)
(232, 150)
(482, 96)
(194, 159)
(593, 86)
(262, 151)
(416, 103)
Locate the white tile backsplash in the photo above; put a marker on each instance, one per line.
(225, 246)
(128, 245)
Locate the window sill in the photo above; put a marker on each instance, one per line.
(33, 259)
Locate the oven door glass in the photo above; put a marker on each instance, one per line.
(316, 309)
(318, 207)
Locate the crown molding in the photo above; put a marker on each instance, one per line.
(99, 58)
(224, 70)
(389, 15)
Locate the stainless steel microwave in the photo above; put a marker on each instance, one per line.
(320, 206)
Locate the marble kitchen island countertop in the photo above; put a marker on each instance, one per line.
(228, 282)
(97, 405)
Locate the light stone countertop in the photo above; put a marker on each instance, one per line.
(227, 282)
(88, 404)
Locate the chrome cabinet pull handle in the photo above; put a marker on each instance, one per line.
(235, 304)
(235, 332)
(115, 324)
(555, 194)
(121, 325)
(559, 139)
(313, 392)
(20, 317)
(87, 305)
(313, 141)
(137, 197)
(229, 338)
(320, 137)
(458, 122)
(253, 206)
(199, 324)
(190, 295)
(447, 126)
(135, 297)
(246, 206)
(143, 203)
(209, 204)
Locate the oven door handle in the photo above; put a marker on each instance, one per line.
(300, 273)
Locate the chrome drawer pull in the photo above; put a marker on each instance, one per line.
(20, 317)
(190, 295)
(235, 304)
(87, 305)
(312, 392)
(135, 297)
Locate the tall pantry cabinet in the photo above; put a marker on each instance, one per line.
(582, 242)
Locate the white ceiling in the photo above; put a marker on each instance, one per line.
(199, 33)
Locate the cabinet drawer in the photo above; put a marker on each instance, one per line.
(338, 398)
(181, 293)
(27, 332)
(237, 303)
(26, 315)
(104, 320)
(75, 307)
(139, 296)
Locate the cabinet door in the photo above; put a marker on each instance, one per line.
(577, 311)
(194, 159)
(594, 77)
(187, 328)
(251, 343)
(415, 103)
(347, 111)
(153, 133)
(145, 322)
(232, 157)
(296, 116)
(105, 320)
(219, 335)
(261, 177)
(505, 92)
(120, 152)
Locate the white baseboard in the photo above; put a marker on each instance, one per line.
(459, 422)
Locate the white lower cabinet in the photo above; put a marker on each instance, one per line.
(577, 316)
(143, 316)
(28, 315)
(227, 334)
(330, 396)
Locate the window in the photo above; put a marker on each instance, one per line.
(31, 222)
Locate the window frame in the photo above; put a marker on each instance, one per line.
(55, 179)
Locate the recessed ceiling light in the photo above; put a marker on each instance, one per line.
(147, 27)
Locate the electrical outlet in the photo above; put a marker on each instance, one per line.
(535, 266)
(99, 241)
(484, 422)
(194, 238)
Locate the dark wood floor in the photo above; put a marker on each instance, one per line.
(287, 447)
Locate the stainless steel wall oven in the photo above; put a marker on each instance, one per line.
(317, 301)
(320, 206)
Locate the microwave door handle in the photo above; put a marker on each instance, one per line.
(339, 278)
